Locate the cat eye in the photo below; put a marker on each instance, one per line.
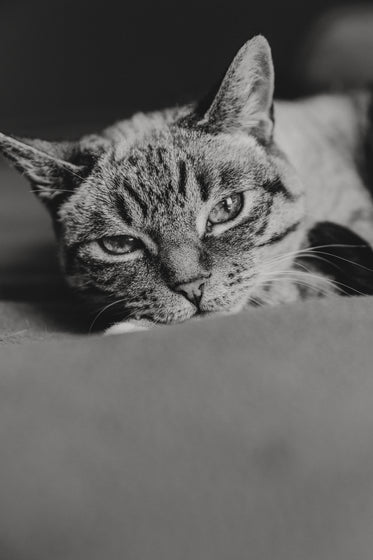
(226, 210)
(120, 244)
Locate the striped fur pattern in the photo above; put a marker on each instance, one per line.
(157, 177)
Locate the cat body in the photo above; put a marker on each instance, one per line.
(325, 139)
(205, 208)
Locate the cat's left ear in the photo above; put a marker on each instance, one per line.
(244, 101)
(54, 169)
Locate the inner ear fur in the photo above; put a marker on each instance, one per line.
(244, 99)
(54, 169)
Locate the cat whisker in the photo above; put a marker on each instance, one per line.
(294, 276)
(105, 308)
(314, 253)
(338, 257)
(309, 250)
(297, 274)
(322, 259)
(52, 190)
(257, 302)
(318, 289)
(324, 290)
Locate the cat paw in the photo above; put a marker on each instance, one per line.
(128, 327)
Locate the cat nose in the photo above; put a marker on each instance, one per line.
(192, 290)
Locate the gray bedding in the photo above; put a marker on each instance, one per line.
(244, 437)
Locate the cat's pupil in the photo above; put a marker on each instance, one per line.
(226, 210)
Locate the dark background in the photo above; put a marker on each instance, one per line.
(75, 65)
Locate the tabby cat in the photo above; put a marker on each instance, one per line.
(212, 207)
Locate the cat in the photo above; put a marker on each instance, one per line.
(212, 207)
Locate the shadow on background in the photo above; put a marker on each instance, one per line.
(91, 63)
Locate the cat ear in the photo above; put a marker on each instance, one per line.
(244, 100)
(54, 169)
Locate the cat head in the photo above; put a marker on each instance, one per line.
(174, 213)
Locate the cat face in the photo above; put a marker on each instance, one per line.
(180, 208)
(174, 214)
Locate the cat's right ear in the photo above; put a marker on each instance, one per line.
(244, 100)
(54, 169)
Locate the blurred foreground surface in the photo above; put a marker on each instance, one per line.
(249, 436)
(244, 437)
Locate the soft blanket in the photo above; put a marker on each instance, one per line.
(245, 437)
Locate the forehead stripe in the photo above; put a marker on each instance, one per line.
(182, 178)
(203, 186)
(277, 187)
(137, 199)
(280, 236)
(122, 208)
